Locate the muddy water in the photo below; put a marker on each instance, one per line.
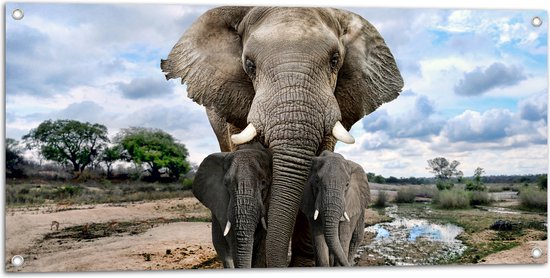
(406, 241)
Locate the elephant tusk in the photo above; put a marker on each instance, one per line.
(264, 225)
(316, 214)
(227, 227)
(341, 134)
(342, 219)
(246, 135)
(346, 216)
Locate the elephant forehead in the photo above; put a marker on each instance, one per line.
(289, 31)
(254, 160)
(332, 165)
(290, 23)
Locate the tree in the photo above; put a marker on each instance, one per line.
(14, 159)
(444, 171)
(379, 179)
(68, 141)
(109, 156)
(542, 181)
(156, 149)
(370, 176)
(476, 184)
(477, 174)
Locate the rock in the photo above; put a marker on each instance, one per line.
(502, 225)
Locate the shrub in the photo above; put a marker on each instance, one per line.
(444, 184)
(479, 198)
(533, 198)
(68, 191)
(453, 199)
(382, 199)
(474, 186)
(146, 188)
(405, 195)
(187, 184)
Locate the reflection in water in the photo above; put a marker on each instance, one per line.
(413, 241)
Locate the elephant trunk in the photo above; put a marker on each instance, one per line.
(293, 131)
(332, 212)
(247, 217)
(287, 189)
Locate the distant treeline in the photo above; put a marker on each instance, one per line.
(432, 180)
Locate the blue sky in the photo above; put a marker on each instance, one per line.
(476, 87)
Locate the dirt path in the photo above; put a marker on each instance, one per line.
(520, 254)
(173, 245)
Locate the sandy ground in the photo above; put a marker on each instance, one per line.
(158, 238)
(174, 245)
(520, 254)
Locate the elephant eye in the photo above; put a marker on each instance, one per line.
(250, 67)
(334, 60)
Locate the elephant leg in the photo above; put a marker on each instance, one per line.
(301, 244)
(223, 248)
(223, 130)
(356, 238)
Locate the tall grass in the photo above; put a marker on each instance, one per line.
(382, 199)
(533, 198)
(453, 199)
(405, 195)
(479, 198)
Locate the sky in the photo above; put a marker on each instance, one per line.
(476, 87)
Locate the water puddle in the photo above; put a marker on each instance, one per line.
(498, 210)
(407, 241)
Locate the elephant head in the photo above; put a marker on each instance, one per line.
(295, 78)
(337, 190)
(235, 187)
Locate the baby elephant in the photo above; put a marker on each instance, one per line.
(235, 187)
(335, 196)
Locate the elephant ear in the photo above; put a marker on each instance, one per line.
(208, 59)
(369, 75)
(358, 194)
(208, 185)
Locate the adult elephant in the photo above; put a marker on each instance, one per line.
(295, 78)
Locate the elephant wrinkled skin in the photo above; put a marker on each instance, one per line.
(235, 186)
(296, 79)
(334, 202)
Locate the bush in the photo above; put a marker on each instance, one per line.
(533, 198)
(187, 184)
(479, 198)
(382, 199)
(453, 199)
(474, 186)
(67, 191)
(444, 184)
(405, 195)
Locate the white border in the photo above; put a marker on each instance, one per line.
(516, 271)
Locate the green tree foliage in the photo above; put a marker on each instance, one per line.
(542, 181)
(370, 176)
(476, 184)
(156, 149)
(110, 155)
(444, 171)
(14, 159)
(379, 179)
(68, 141)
